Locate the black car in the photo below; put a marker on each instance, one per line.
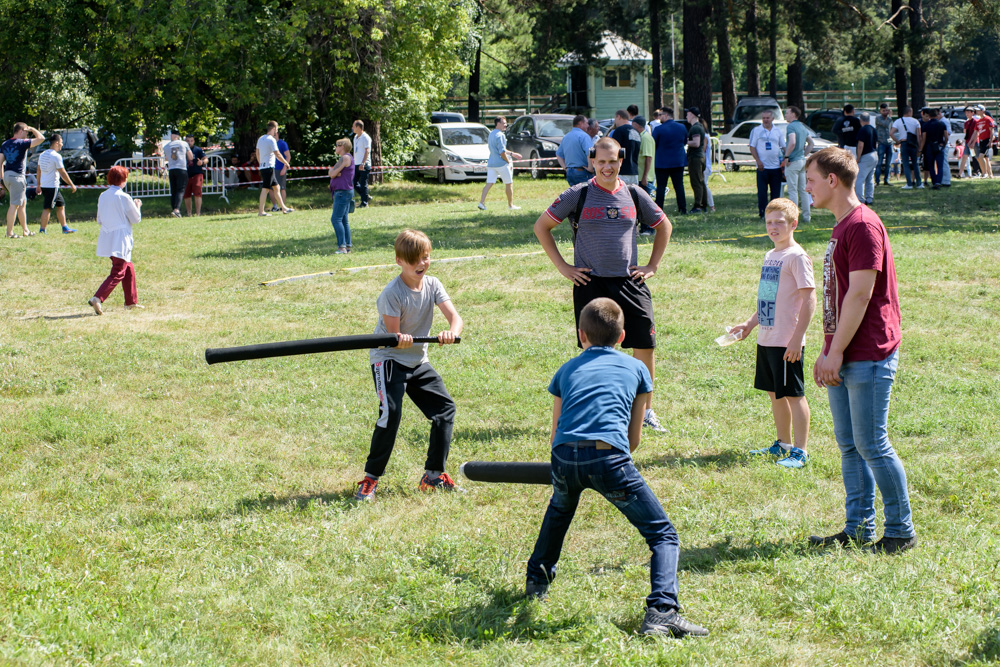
(447, 117)
(823, 121)
(536, 138)
(83, 153)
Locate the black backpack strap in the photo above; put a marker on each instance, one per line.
(580, 203)
(635, 200)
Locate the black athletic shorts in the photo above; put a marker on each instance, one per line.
(52, 197)
(267, 179)
(784, 378)
(635, 301)
(984, 146)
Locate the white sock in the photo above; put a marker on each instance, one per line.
(785, 446)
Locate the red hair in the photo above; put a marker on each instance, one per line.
(117, 176)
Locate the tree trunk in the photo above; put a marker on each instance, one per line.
(473, 111)
(657, 51)
(917, 56)
(750, 30)
(899, 52)
(245, 133)
(772, 39)
(795, 95)
(721, 11)
(697, 59)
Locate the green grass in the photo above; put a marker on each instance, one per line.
(156, 509)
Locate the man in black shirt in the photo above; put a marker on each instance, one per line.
(867, 153)
(846, 129)
(933, 141)
(629, 139)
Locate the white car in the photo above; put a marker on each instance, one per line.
(459, 151)
(735, 146)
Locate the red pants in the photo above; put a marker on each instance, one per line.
(121, 272)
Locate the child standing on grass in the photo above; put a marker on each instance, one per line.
(786, 300)
(406, 308)
(600, 399)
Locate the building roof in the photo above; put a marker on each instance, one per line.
(612, 49)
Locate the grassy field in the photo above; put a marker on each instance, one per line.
(155, 510)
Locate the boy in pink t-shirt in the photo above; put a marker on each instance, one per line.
(786, 300)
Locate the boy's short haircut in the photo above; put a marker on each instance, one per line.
(621, 113)
(608, 144)
(55, 137)
(272, 125)
(787, 208)
(836, 161)
(360, 124)
(848, 108)
(20, 126)
(603, 321)
(412, 245)
(795, 110)
(633, 110)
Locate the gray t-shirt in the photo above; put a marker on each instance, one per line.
(176, 153)
(415, 310)
(607, 232)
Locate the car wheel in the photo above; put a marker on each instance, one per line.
(727, 157)
(536, 173)
(440, 173)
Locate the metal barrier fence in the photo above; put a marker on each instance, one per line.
(148, 177)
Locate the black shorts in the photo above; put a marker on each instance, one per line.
(52, 197)
(267, 179)
(635, 301)
(784, 378)
(984, 146)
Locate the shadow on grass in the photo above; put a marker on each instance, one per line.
(506, 616)
(60, 317)
(711, 461)
(491, 434)
(301, 502)
(705, 559)
(985, 649)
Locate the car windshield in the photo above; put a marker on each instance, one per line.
(465, 136)
(752, 111)
(73, 141)
(554, 127)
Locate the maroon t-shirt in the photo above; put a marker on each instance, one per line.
(860, 242)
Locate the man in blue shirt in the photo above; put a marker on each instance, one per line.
(12, 154)
(499, 164)
(671, 143)
(574, 152)
(596, 424)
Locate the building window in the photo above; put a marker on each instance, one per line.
(618, 77)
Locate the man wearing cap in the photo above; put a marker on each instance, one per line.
(696, 144)
(883, 124)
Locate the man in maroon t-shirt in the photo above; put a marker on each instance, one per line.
(985, 126)
(860, 355)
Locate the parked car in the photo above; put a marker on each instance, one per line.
(83, 153)
(460, 151)
(447, 117)
(736, 144)
(751, 108)
(537, 137)
(823, 121)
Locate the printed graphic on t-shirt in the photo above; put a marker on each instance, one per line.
(176, 153)
(829, 290)
(767, 292)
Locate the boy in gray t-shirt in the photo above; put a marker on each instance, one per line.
(406, 308)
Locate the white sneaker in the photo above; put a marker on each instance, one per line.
(482, 206)
(95, 303)
(921, 187)
(652, 422)
(907, 187)
(512, 208)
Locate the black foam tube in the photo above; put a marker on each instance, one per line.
(311, 346)
(507, 472)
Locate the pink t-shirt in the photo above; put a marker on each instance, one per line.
(785, 272)
(860, 242)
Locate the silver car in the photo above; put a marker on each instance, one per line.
(455, 152)
(734, 147)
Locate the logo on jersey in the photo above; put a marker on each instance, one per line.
(613, 213)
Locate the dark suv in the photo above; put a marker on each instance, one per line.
(83, 153)
(823, 121)
(536, 138)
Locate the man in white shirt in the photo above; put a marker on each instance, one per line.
(178, 154)
(362, 161)
(906, 133)
(267, 153)
(767, 146)
(50, 169)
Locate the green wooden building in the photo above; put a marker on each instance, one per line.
(618, 78)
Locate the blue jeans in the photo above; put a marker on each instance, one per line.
(860, 407)
(342, 204)
(908, 156)
(864, 185)
(361, 182)
(884, 158)
(936, 164)
(576, 175)
(767, 178)
(612, 474)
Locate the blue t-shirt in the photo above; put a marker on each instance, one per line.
(279, 167)
(575, 149)
(498, 145)
(597, 389)
(797, 128)
(671, 142)
(195, 169)
(14, 151)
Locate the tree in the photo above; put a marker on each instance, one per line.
(917, 47)
(720, 12)
(697, 59)
(656, 49)
(898, 54)
(750, 37)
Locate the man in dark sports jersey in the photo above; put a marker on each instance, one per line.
(605, 250)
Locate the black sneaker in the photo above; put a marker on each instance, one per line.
(894, 545)
(841, 538)
(669, 623)
(535, 590)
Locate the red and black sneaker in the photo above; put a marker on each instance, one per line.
(366, 489)
(444, 482)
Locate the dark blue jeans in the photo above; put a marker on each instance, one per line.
(767, 178)
(884, 158)
(361, 183)
(612, 474)
(908, 156)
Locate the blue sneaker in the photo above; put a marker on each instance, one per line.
(41, 231)
(67, 230)
(773, 450)
(796, 458)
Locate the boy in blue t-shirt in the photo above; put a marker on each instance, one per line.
(600, 399)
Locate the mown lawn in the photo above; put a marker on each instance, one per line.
(157, 510)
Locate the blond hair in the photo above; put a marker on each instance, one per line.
(836, 161)
(608, 144)
(345, 143)
(603, 321)
(411, 245)
(787, 207)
